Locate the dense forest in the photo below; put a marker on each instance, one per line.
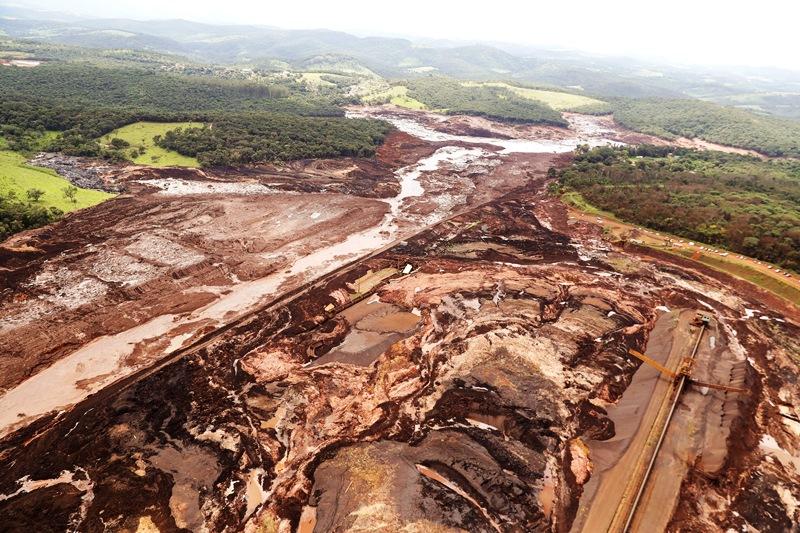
(452, 96)
(737, 202)
(694, 118)
(82, 101)
(152, 90)
(259, 137)
(85, 101)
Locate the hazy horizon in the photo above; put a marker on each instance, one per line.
(691, 33)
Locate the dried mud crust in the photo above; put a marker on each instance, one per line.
(582, 126)
(107, 269)
(181, 239)
(476, 419)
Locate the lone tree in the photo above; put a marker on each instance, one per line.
(69, 193)
(34, 195)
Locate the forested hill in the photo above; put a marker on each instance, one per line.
(269, 47)
(151, 90)
(252, 138)
(452, 96)
(672, 118)
(738, 202)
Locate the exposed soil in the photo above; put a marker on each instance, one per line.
(423, 370)
(700, 144)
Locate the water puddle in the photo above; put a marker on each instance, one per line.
(375, 327)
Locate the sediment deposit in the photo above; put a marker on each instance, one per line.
(447, 353)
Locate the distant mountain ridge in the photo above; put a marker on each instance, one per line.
(393, 57)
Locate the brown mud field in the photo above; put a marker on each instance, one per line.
(449, 356)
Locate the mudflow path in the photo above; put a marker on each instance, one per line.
(180, 256)
(339, 391)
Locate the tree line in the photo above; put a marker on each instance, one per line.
(16, 215)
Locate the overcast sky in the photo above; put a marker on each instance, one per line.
(732, 32)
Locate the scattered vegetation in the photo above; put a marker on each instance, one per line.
(452, 96)
(135, 142)
(737, 202)
(31, 197)
(694, 118)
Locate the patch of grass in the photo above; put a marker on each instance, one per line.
(140, 136)
(555, 99)
(267, 525)
(575, 199)
(18, 177)
(396, 95)
(46, 138)
(774, 285)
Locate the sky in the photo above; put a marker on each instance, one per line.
(732, 32)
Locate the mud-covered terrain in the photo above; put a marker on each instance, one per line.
(327, 361)
(114, 289)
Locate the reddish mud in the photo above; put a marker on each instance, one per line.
(469, 391)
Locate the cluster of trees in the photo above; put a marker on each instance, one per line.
(737, 202)
(452, 96)
(16, 215)
(704, 120)
(264, 137)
